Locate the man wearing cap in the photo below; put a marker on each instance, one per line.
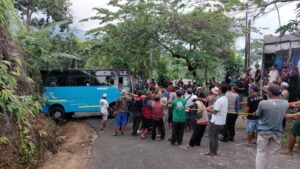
(217, 121)
(252, 105)
(270, 114)
(284, 90)
(212, 98)
(103, 111)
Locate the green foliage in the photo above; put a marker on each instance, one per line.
(46, 49)
(4, 140)
(256, 51)
(128, 36)
(25, 108)
(52, 10)
(293, 26)
(6, 8)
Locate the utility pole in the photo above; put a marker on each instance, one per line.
(246, 42)
(249, 43)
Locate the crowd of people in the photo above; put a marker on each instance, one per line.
(188, 108)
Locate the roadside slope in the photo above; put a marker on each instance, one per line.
(76, 141)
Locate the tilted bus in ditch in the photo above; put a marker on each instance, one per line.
(77, 91)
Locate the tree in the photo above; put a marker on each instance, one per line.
(141, 29)
(293, 26)
(256, 51)
(48, 49)
(52, 10)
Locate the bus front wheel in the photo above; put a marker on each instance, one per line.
(58, 113)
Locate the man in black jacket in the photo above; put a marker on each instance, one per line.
(135, 108)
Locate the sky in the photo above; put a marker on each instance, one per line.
(81, 9)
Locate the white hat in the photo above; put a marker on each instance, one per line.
(215, 90)
(285, 84)
(104, 95)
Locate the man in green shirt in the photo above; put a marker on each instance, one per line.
(178, 106)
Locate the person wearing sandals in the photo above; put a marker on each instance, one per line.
(217, 121)
(202, 121)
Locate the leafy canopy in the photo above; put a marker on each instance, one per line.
(51, 10)
(139, 30)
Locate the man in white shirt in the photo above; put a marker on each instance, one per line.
(217, 121)
(103, 111)
(274, 74)
(190, 115)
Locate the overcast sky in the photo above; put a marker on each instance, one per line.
(84, 8)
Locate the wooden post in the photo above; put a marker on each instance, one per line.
(249, 44)
(246, 40)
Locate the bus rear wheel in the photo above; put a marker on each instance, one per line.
(58, 113)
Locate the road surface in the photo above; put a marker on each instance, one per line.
(128, 152)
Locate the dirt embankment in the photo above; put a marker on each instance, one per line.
(76, 140)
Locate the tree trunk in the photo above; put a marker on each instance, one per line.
(192, 68)
(28, 19)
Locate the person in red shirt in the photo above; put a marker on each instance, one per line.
(147, 116)
(157, 118)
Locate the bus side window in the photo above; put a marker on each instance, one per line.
(79, 78)
(60, 81)
(82, 80)
(120, 85)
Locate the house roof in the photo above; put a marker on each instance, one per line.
(270, 39)
(273, 44)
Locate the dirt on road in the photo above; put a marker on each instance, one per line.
(76, 140)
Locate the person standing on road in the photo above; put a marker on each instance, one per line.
(295, 131)
(178, 115)
(217, 121)
(270, 113)
(251, 106)
(121, 114)
(284, 95)
(157, 108)
(274, 74)
(136, 107)
(172, 96)
(233, 107)
(212, 98)
(103, 111)
(202, 121)
(190, 115)
(147, 116)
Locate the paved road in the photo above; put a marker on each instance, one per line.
(128, 152)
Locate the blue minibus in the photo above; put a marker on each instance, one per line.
(77, 91)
